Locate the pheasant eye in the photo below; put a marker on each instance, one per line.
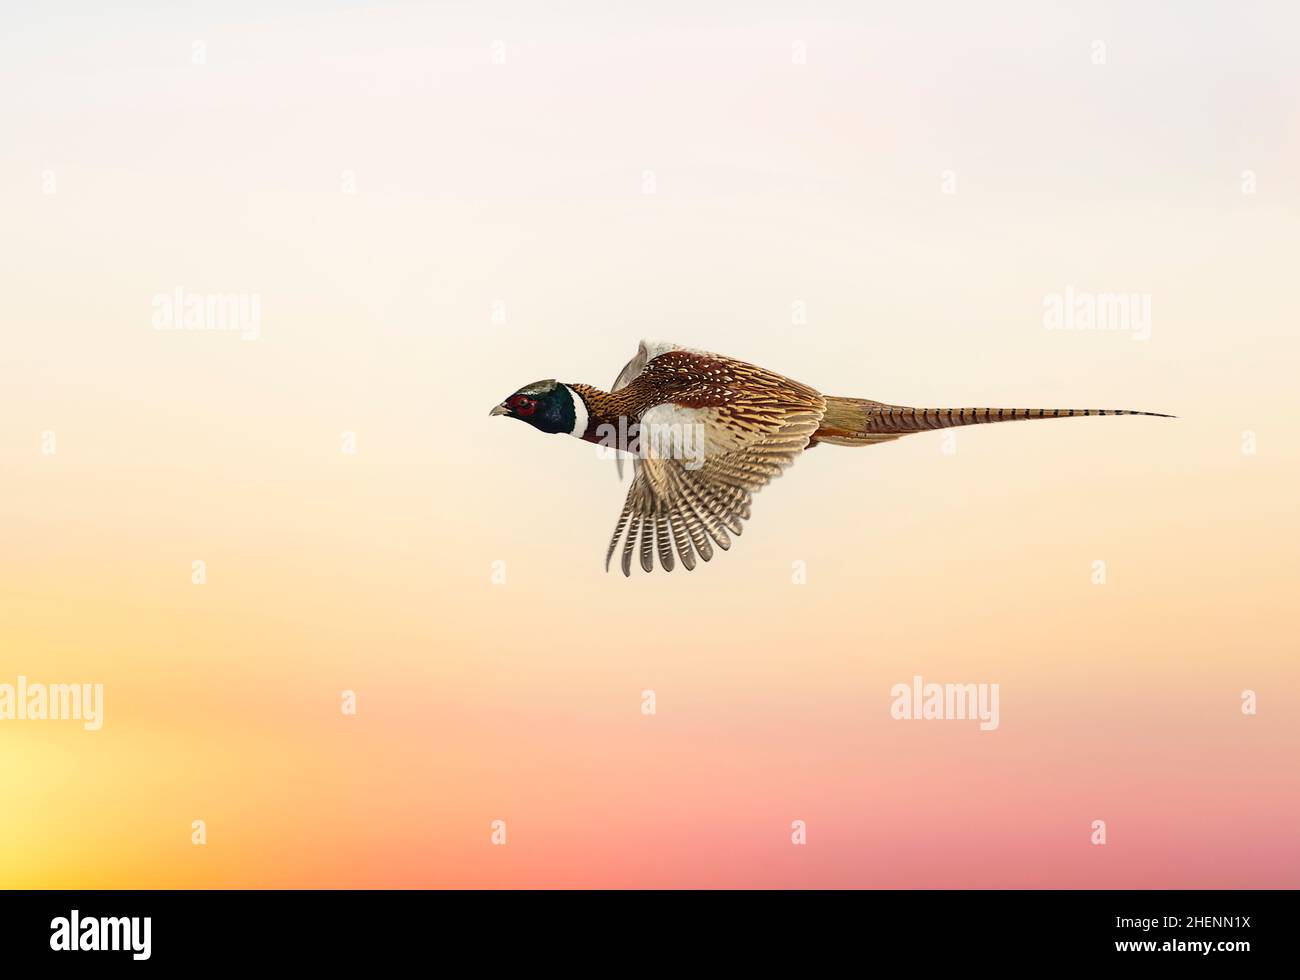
(526, 406)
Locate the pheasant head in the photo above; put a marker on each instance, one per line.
(547, 406)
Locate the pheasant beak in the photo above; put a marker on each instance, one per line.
(499, 410)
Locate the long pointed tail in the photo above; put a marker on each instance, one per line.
(861, 422)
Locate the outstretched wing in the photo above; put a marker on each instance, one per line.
(723, 431)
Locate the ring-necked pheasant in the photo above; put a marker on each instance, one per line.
(709, 431)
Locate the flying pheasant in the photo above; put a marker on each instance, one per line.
(709, 431)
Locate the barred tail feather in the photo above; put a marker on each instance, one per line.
(861, 422)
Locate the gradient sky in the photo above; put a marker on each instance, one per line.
(436, 204)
